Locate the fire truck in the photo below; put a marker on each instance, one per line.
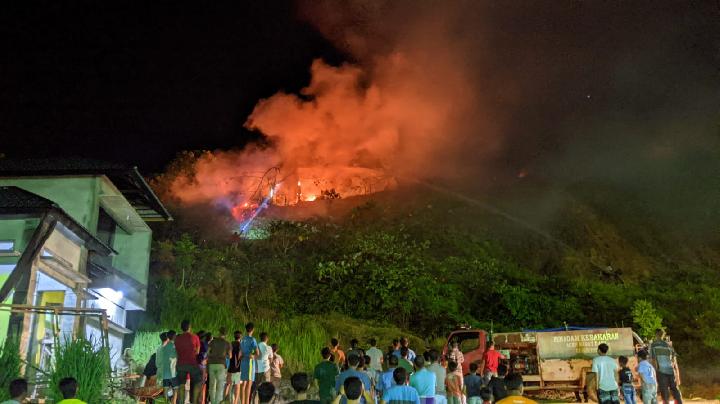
(550, 359)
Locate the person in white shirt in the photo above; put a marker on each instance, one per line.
(376, 356)
(264, 360)
(606, 369)
(646, 371)
(276, 365)
(440, 375)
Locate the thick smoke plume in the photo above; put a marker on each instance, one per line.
(406, 107)
(613, 96)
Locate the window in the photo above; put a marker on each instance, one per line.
(7, 246)
(106, 228)
(468, 341)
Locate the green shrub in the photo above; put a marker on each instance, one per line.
(89, 365)
(144, 345)
(646, 319)
(9, 366)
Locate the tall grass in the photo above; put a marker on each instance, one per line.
(9, 366)
(90, 366)
(144, 345)
(300, 338)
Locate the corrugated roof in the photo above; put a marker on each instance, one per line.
(17, 201)
(14, 198)
(59, 166)
(127, 179)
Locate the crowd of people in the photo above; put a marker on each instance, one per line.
(241, 370)
(656, 369)
(238, 371)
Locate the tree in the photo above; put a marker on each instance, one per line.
(185, 250)
(646, 318)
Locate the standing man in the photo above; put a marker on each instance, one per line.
(404, 361)
(263, 365)
(440, 372)
(423, 381)
(355, 349)
(233, 379)
(514, 385)
(352, 371)
(219, 350)
(249, 350)
(385, 380)
(167, 368)
(337, 352)
(648, 377)
(187, 346)
(490, 361)
(663, 357)
(400, 393)
(606, 370)
(395, 347)
(405, 343)
(325, 374)
(376, 356)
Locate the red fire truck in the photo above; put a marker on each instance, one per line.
(555, 359)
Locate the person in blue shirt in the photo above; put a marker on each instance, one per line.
(248, 365)
(473, 384)
(648, 377)
(404, 344)
(353, 392)
(395, 348)
(423, 380)
(386, 381)
(401, 393)
(352, 371)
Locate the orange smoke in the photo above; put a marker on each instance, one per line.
(404, 112)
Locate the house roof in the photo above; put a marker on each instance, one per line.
(127, 179)
(17, 201)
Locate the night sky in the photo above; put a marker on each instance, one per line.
(140, 81)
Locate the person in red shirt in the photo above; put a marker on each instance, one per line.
(491, 360)
(187, 346)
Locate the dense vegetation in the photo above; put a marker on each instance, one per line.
(429, 266)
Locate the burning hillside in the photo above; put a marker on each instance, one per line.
(404, 109)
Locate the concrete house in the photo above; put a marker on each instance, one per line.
(74, 238)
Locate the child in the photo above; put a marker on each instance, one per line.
(453, 384)
(473, 385)
(648, 379)
(266, 392)
(18, 391)
(626, 381)
(497, 384)
(300, 383)
(486, 395)
(369, 371)
(276, 365)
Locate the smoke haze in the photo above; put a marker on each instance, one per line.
(561, 92)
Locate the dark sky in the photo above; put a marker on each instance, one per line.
(140, 81)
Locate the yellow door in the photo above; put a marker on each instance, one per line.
(45, 327)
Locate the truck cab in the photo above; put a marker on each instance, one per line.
(471, 342)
